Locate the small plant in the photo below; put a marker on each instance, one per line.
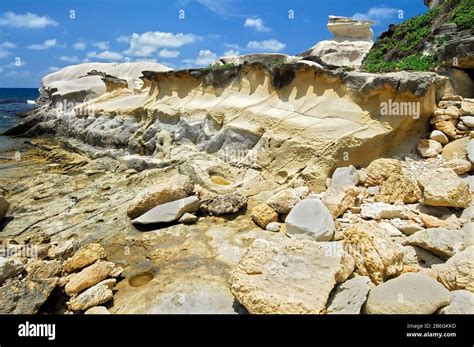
(347, 68)
(277, 62)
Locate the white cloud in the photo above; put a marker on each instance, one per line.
(18, 73)
(4, 53)
(147, 43)
(266, 45)
(123, 39)
(45, 45)
(103, 45)
(168, 53)
(69, 59)
(146, 60)
(256, 23)
(206, 57)
(80, 46)
(7, 44)
(232, 46)
(231, 52)
(28, 20)
(377, 14)
(53, 68)
(15, 64)
(105, 55)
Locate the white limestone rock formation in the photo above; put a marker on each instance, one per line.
(351, 42)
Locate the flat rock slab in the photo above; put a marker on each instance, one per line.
(169, 212)
(441, 242)
(289, 276)
(349, 296)
(410, 293)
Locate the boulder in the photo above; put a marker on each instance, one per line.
(345, 176)
(85, 256)
(458, 271)
(10, 267)
(225, 204)
(284, 201)
(446, 126)
(4, 206)
(349, 296)
(176, 188)
(468, 214)
(410, 293)
(381, 169)
(460, 166)
(441, 242)
(399, 188)
(94, 296)
(262, 215)
(310, 219)
(429, 148)
(382, 210)
(439, 136)
(338, 199)
(462, 302)
(375, 254)
(443, 187)
(89, 276)
(188, 218)
(169, 212)
(456, 149)
(288, 276)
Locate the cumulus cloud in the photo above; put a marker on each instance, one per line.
(257, 24)
(206, 57)
(168, 53)
(266, 45)
(28, 20)
(80, 46)
(231, 52)
(69, 59)
(45, 45)
(148, 43)
(103, 45)
(122, 39)
(7, 44)
(377, 14)
(105, 55)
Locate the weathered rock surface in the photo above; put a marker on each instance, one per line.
(374, 252)
(262, 215)
(289, 276)
(169, 212)
(399, 188)
(338, 199)
(10, 267)
(439, 241)
(439, 136)
(310, 219)
(25, 297)
(462, 302)
(88, 277)
(429, 148)
(460, 166)
(382, 210)
(4, 206)
(85, 256)
(284, 201)
(458, 271)
(407, 294)
(455, 149)
(225, 204)
(443, 187)
(97, 310)
(176, 188)
(380, 170)
(94, 296)
(349, 296)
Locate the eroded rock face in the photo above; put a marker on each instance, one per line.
(225, 204)
(349, 296)
(9, 267)
(289, 276)
(399, 188)
(382, 169)
(4, 206)
(85, 256)
(407, 294)
(374, 252)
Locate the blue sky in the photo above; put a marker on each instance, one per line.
(38, 37)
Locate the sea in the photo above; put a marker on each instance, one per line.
(13, 101)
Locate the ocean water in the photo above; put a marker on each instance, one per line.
(13, 101)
